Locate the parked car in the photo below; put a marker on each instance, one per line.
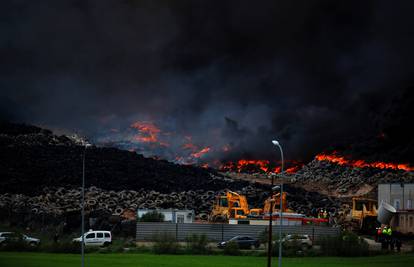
(303, 240)
(244, 242)
(7, 237)
(96, 238)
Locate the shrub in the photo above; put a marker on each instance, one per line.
(292, 248)
(18, 245)
(130, 243)
(116, 246)
(264, 236)
(165, 244)
(152, 216)
(231, 248)
(197, 244)
(141, 249)
(347, 244)
(63, 247)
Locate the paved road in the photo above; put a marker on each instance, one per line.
(377, 246)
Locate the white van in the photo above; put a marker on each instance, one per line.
(96, 238)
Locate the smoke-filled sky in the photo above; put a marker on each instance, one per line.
(237, 73)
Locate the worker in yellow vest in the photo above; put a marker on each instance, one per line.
(387, 232)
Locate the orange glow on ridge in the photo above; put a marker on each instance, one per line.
(341, 160)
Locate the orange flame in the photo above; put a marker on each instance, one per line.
(147, 132)
(245, 165)
(341, 160)
(200, 153)
(293, 169)
(262, 164)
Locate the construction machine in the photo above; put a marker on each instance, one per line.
(364, 214)
(275, 201)
(231, 206)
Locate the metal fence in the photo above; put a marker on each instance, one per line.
(220, 232)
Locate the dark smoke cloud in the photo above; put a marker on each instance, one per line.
(310, 73)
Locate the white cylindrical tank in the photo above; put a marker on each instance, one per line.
(385, 213)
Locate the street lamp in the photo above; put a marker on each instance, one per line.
(269, 246)
(276, 143)
(86, 145)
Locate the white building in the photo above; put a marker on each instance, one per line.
(401, 197)
(171, 215)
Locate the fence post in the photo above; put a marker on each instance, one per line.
(176, 231)
(313, 233)
(222, 232)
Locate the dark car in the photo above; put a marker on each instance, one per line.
(10, 237)
(244, 242)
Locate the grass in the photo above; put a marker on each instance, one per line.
(21, 259)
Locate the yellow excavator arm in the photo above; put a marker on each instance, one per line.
(276, 203)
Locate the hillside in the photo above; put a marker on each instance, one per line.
(31, 158)
(41, 175)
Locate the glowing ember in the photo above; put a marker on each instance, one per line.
(262, 164)
(244, 165)
(226, 148)
(147, 133)
(341, 160)
(149, 139)
(293, 169)
(205, 165)
(189, 146)
(252, 166)
(200, 153)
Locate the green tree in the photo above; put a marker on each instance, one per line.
(152, 216)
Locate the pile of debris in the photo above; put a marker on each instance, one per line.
(58, 202)
(32, 158)
(41, 173)
(341, 180)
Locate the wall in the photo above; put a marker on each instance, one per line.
(403, 222)
(400, 196)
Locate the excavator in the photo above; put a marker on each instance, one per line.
(232, 206)
(275, 200)
(288, 214)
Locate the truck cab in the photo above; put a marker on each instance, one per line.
(237, 213)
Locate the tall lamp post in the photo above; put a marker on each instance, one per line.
(269, 246)
(83, 205)
(276, 143)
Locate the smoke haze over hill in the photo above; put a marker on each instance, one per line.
(309, 73)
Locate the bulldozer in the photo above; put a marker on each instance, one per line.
(364, 214)
(231, 206)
